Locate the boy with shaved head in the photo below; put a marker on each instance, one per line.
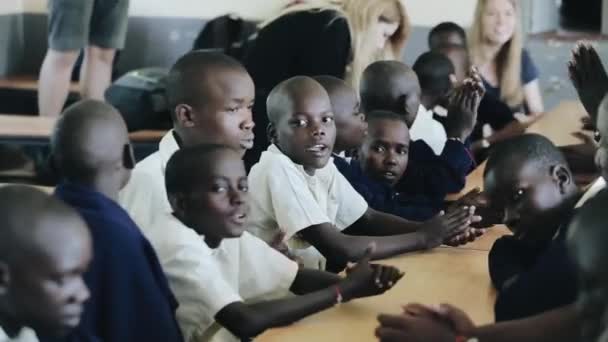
(439, 163)
(210, 96)
(130, 296)
(45, 248)
(299, 193)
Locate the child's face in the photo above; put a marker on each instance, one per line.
(498, 21)
(530, 197)
(47, 290)
(219, 209)
(351, 127)
(601, 157)
(225, 116)
(451, 38)
(384, 153)
(307, 133)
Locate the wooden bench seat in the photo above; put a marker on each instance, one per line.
(28, 82)
(20, 127)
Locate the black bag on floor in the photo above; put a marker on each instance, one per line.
(140, 97)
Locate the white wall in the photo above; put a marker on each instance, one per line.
(10, 6)
(422, 12)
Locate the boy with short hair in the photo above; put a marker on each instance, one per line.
(210, 96)
(130, 296)
(222, 275)
(393, 86)
(45, 248)
(530, 180)
(297, 191)
(351, 127)
(447, 34)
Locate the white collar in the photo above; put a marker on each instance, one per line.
(166, 148)
(596, 187)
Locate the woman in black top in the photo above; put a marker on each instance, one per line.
(337, 38)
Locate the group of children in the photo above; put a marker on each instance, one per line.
(185, 245)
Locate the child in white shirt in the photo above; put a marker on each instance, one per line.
(217, 271)
(298, 192)
(45, 248)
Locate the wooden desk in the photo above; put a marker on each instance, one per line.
(37, 128)
(453, 275)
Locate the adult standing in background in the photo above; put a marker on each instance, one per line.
(322, 37)
(496, 48)
(97, 26)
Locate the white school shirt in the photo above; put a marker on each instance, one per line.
(145, 196)
(206, 280)
(25, 335)
(596, 187)
(284, 198)
(429, 130)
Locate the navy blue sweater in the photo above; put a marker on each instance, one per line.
(531, 280)
(130, 296)
(382, 197)
(436, 176)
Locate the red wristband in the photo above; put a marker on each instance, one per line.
(339, 298)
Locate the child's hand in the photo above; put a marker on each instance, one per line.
(365, 279)
(489, 215)
(465, 237)
(451, 315)
(588, 77)
(408, 328)
(463, 105)
(447, 225)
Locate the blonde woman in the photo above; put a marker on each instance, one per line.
(322, 37)
(496, 47)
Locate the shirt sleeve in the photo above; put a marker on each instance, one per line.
(269, 279)
(198, 283)
(352, 206)
(529, 71)
(436, 176)
(143, 198)
(294, 205)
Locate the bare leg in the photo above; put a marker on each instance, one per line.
(54, 83)
(96, 72)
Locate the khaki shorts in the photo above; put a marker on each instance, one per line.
(74, 24)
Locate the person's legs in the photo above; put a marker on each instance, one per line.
(68, 33)
(96, 72)
(54, 81)
(108, 32)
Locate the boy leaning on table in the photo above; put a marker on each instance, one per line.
(420, 323)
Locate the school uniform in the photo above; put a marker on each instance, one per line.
(25, 335)
(130, 296)
(429, 130)
(383, 197)
(284, 198)
(532, 280)
(206, 280)
(145, 196)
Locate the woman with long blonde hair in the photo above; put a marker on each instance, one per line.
(496, 47)
(322, 37)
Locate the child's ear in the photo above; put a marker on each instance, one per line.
(178, 203)
(184, 115)
(562, 176)
(271, 131)
(4, 278)
(453, 80)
